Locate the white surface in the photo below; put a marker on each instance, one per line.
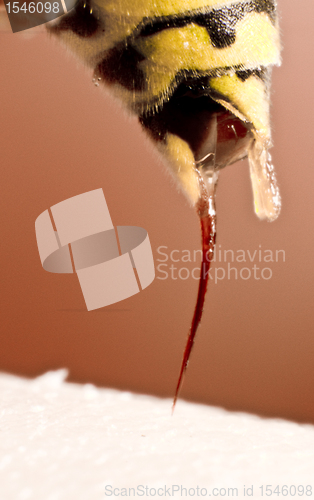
(65, 441)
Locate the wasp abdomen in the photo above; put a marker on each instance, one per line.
(82, 21)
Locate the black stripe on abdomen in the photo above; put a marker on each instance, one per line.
(262, 73)
(120, 65)
(219, 23)
(82, 20)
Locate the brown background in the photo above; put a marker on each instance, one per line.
(61, 136)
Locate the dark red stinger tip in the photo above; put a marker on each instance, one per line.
(208, 228)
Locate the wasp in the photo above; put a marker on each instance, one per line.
(197, 75)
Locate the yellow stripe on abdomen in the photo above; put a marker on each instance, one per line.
(190, 49)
